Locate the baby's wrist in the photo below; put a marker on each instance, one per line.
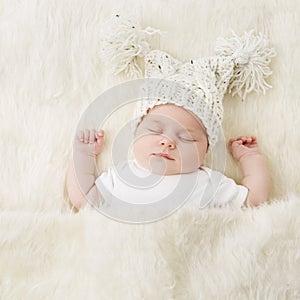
(250, 156)
(252, 160)
(83, 153)
(84, 162)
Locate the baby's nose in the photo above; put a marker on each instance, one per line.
(167, 143)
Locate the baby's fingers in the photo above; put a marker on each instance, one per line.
(237, 143)
(99, 136)
(244, 139)
(234, 143)
(96, 136)
(93, 136)
(86, 138)
(100, 133)
(254, 140)
(90, 136)
(247, 140)
(231, 141)
(80, 136)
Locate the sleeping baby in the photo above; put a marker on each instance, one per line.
(169, 141)
(179, 120)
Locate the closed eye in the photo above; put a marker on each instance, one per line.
(155, 130)
(187, 139)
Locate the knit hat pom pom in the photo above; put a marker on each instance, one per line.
(123, 41)
(251, 56)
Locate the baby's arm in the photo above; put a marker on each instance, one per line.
(255, 173)
(81, 184)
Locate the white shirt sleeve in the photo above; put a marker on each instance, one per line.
(105, 179)
(228, 194)
(105, 185)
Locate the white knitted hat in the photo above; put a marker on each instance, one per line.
(240, 66)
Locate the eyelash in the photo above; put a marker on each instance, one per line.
(188, 140)
(158, 131)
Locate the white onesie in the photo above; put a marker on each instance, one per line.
(133, 184)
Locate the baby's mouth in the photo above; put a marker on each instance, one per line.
(164, 155)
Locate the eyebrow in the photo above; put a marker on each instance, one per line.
(155, 121)
(196, 131)
(191, 130)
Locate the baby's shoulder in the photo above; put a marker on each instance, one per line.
(209, 171)
(213, 175)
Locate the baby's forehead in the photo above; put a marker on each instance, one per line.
(167, 119)
(181, 118)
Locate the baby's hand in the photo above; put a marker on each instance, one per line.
(89, 141)
(242, 146)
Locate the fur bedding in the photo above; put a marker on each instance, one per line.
(50, 71)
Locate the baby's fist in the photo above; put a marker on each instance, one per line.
(89, 141)
(243, 146)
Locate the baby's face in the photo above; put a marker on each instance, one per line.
(170, 140)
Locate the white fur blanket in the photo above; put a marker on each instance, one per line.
(50, 71)
(190, 255)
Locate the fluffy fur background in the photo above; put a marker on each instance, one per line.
(50, 72)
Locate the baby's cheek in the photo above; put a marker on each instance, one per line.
(196, 154)
(187, 153)
(137, 148)
(141, 146)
